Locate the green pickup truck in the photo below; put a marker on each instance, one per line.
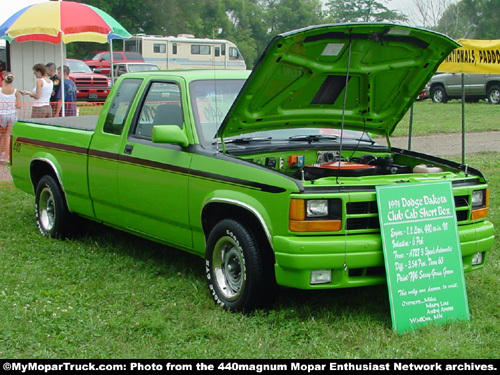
(269, 175)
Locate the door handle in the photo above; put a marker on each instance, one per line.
(128, 149)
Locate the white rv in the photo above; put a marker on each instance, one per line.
(186, 52)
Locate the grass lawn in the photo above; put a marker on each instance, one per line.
(429, 117)
(107, 294)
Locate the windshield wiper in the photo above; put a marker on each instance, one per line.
(312, 138)
(245, 140)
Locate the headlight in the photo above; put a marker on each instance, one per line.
(316, 208)
(478, 198)
(315, 215)
(480, 203)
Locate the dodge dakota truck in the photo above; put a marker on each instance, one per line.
(269, 176)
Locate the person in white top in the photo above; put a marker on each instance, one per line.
(41, 93)
(10, 102)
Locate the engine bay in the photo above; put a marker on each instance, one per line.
(311, 164)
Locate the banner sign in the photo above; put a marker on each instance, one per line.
(422, 254)
(475, 56)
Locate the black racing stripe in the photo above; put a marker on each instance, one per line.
(152, 164)
(57, 146)
(201, 174)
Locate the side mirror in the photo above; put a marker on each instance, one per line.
(96, 70)
(169, 134)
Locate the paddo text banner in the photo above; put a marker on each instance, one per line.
(475, 56)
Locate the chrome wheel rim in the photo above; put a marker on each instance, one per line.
(495, 96)
(228, 268)
(46, 210)
(438, 96)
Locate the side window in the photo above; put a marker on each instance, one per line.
(174, 48)
(120, 106)
(159, 48)
(162, 106)
(200, 49)
(117, 56)
(106, 56)
(223, 49)
(217, 51)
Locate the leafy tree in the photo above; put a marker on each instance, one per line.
(486, 19)
(362, 11)
(460, 19)
(286, 15)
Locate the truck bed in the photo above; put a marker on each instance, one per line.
(72, 122)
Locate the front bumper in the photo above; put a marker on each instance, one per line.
(92, 93)
(357, 259)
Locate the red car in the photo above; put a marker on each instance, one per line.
(101, 61)
(90, 86)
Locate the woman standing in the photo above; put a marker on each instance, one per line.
(10, 102)
(41, 93)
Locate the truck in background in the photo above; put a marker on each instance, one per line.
(90, 86)
(445, 86)
(186, 52)
(100, 62)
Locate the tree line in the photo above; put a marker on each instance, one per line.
(251, 24)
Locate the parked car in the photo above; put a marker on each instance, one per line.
(129, 67)
(89, 85)
(446, 86)
(423, 95)
(100, 62)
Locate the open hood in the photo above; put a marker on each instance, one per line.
(363, 75)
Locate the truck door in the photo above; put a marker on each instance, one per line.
(153, 178)
(104, 154)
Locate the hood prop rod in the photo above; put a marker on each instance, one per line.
(345, 102)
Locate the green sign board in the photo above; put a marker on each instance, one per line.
(422, 254)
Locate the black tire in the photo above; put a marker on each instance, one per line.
(494, 94)
(438, 94)
(52, 215)
(239, 274)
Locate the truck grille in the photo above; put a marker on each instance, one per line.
(92, 82)
(364, 215)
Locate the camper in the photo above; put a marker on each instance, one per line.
(186, 52)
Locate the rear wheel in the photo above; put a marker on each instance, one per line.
(494, 95)
(238, 275)
(438, 95)
(52, 215)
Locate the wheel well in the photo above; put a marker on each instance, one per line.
(38, 169)
(215, 212)
(437, 84)
(490, 84)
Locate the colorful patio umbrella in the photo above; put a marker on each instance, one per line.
(62, 21)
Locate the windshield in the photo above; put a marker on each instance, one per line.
(77, 66)
(211, 100)
(142, 67)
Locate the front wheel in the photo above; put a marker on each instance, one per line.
(238, 275)
(438, 94)
(51, 212)
(494, 95)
